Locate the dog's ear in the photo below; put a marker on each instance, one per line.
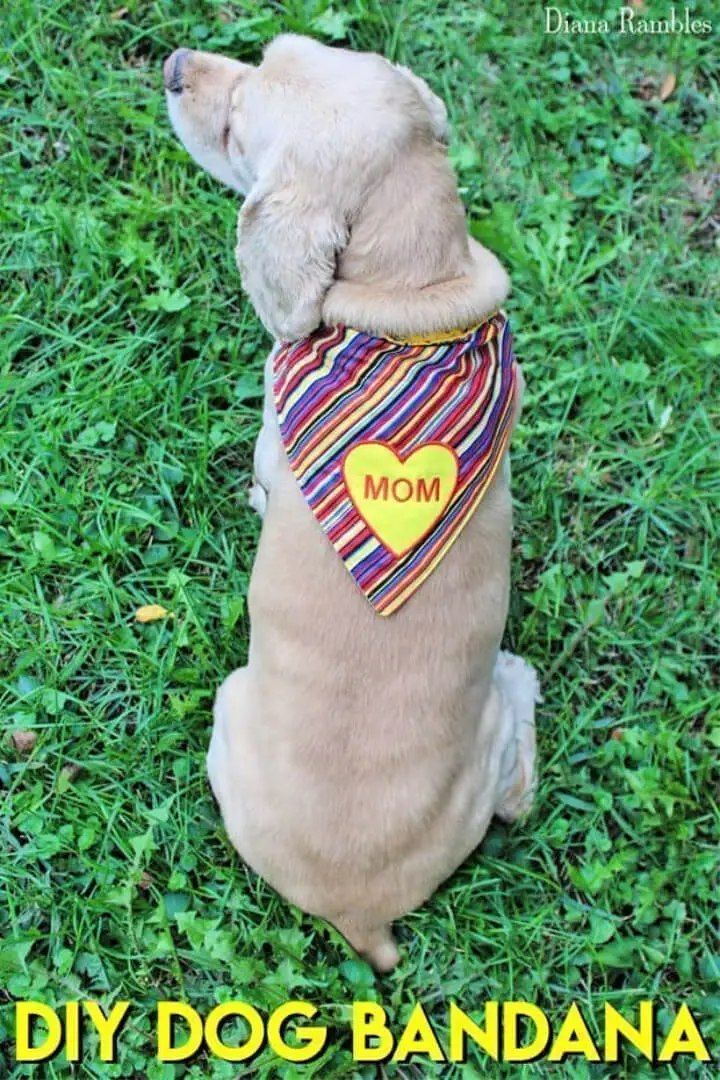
(289, 234)
(434, 105)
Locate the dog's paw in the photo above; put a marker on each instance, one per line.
(518, 679)
(257, 497)
(518, 683)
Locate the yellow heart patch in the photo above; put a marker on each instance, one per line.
(400, 499)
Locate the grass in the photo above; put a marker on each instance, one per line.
(130, 392)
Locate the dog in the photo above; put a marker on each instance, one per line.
(359, 756)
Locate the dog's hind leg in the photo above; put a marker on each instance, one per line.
(518, 684)
(228, 702)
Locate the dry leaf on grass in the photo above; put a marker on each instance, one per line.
(24, 741)
(119, 13)
(151, 613)
(668, 85)
(67, 776)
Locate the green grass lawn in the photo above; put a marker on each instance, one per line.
(130, 394)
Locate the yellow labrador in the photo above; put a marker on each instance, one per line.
(357, 760)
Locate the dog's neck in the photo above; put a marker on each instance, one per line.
(409, 267)
(396, 311)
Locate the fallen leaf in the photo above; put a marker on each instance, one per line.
(24, 741)
(151, 613)
(668, 85)
(145, 881)
(617, 733)
(68, 774)
(638, 4)
(119, 13)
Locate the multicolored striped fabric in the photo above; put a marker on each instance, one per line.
(355, 410)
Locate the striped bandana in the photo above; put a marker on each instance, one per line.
(394, 443)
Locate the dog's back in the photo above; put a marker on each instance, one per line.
(357, 758)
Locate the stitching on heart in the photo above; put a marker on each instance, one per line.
(402, 458)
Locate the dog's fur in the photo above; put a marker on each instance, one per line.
(357, 759)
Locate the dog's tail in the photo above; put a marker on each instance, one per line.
(377, 946)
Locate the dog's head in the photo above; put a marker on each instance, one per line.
(306, 136)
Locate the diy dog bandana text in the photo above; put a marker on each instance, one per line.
(395, 443)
